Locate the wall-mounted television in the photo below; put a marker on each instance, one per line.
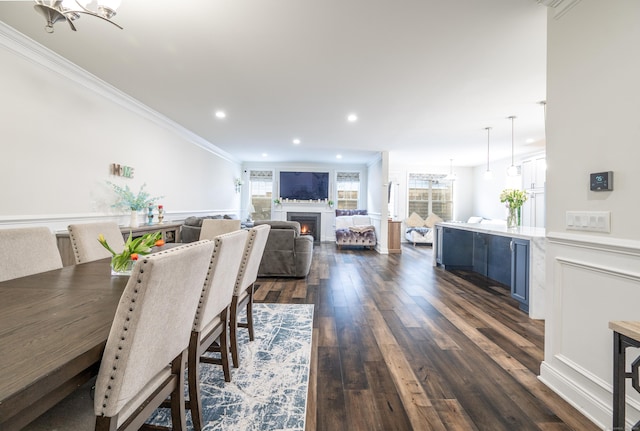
(304, 185)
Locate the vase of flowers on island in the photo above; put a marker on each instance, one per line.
(513, 199)
(133, 202)
(122, 263)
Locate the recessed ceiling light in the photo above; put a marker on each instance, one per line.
(352, 118)
(221, 114)
(296, 141)
(264, 154)
(338, 156)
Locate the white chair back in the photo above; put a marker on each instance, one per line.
(220, 282)
(252, 256)
(84, 240)
(211, 228)
(27, 251)
(152, 326)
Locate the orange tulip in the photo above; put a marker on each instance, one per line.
(134, 256)
(159, 243)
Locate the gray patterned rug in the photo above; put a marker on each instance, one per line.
(269, 389)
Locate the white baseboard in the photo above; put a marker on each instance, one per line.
(585, 393)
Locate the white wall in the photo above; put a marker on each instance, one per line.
(486, 192)
(463, 187)
(60, 137)
(592, 126)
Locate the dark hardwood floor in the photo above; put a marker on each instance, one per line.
(401, 345)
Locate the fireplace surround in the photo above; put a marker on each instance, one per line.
(310, 224)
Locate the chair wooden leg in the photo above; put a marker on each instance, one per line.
(250, 313)
(195, 402)
(104, 423)
(178, 413)
(233, 331)
(224, 345)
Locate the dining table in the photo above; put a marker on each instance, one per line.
(53, 329)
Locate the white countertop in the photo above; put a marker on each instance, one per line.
(523, 232)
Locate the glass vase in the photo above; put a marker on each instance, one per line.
(512, 218)
(125, 269)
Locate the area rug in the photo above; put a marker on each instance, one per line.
(269, 389)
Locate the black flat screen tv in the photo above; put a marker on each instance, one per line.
(304, 185)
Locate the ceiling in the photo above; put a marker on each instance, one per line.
(425, 77)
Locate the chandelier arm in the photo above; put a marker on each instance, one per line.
(88, 12)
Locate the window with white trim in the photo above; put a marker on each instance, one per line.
(261, 194)
(348, 187)
(430, 193)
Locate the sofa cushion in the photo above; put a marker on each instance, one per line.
(343, 222)
(414, 220)
(361, 220)
(197, 221)
(432, 220)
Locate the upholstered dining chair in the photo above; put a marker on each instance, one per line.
(212, 315)
(211, 228)
(143, 360)
(84, 240)
(26, 251)
(243, 290)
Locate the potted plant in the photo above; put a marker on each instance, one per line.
(132, 202)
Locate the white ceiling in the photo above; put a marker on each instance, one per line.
(425, 77)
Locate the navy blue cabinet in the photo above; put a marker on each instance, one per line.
(499, 259)
(455, 248)
(480, 249)
(520, 272)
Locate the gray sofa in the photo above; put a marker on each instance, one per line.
(287, 253)
(190, 230)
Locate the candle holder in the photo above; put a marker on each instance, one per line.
(160, 214)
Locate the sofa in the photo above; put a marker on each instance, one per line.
(353, 227)
(287, 252)
(190, 230)
(419, 230)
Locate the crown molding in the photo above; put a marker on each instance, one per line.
(41, 56)
(561, 6)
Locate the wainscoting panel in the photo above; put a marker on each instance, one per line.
(590, 281)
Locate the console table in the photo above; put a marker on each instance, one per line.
(170, 233)
(625, 334)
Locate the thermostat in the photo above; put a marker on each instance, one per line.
(602, 181)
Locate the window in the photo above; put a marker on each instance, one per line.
(348, 185)
(261, 194)
(430, 193)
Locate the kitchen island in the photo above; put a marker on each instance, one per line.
(513, 257)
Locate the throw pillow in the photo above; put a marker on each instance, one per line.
(431, 220)
(414, 220)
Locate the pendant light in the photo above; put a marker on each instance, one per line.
(488, 174)
(451, 176)
(513, 170)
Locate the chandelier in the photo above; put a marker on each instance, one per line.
(70, 10)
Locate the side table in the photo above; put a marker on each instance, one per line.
(625, 334)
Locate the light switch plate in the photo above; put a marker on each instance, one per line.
(594, 221)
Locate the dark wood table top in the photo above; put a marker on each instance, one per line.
(53, 328)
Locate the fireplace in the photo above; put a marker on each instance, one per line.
(309, 224)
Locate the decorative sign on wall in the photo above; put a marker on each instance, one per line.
(121, 170)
